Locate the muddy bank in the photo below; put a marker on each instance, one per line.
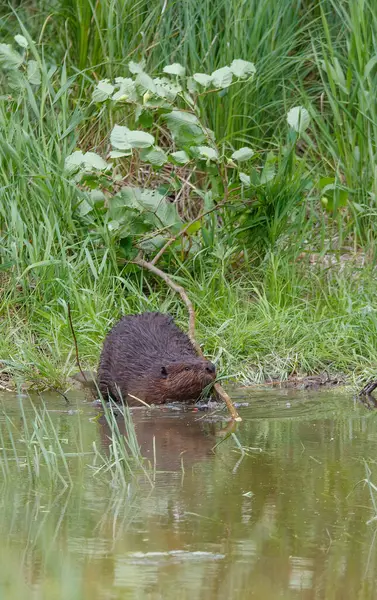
(306, 382)
(10, 382)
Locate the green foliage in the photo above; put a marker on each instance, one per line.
(100, 158)
(145, 218)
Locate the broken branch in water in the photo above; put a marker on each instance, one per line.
(182, 292)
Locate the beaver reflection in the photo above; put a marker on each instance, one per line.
(177, 436)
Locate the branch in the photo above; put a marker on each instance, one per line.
(177, 288)
(184, 230)
(182, 292)
(75, 342)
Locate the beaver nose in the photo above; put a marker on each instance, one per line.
(210, 368)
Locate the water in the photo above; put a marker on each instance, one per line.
(289, 519)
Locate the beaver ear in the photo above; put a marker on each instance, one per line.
(164, 372)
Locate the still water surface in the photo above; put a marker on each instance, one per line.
(290, 519)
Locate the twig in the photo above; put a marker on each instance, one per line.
(183, 231)
(177, 288)
(75, 342)
(139, 400)
(182, 292)
(61, 393)
(368, 388)
(157, 232)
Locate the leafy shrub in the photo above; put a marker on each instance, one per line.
(164, 167)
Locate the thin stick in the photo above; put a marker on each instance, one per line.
(61, 393)
(182, 292)
(177, 288)
(75, 342)
(139, 400)
(183, 231)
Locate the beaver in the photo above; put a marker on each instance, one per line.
(148, 356)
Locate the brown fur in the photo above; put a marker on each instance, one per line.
(148, 356)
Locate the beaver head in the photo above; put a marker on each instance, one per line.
(183, 380)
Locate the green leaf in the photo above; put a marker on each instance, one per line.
(140, 139)
(118, 138)
(268, 172)
(102, 91)
(126, 90)
(203, 79)
(254, 176)
(16, 80)
(184, 127)
(242, 68)
(125, 199)
(181, 157)
(89, 162)
(9, 58)
(222, 78)
(325, 181)
(334, 197)
(181, 116)
(156, 209)
(126, 247)
(21, 41)
(146, 83)
(207, 152)
(175, 69)
(192, 88)
(166, 89)
(207, 237)
(243, 154)
(194, 228)
(97, 197)
(33, 73)
(84, 207)
(94, 161)
(245, 179)
(298, 118)
(156, 156)
(123, 138)
(145, 119)
(113, 225)
(152, 244)
(135, 67)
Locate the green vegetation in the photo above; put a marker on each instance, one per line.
(44, 456)
(281, 266)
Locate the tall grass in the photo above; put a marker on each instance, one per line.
(347, 118)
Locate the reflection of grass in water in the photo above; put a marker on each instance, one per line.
(36, 524)
(372, 492)
(78, 542)
(124, 458)
(33, 449)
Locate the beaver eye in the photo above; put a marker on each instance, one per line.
(164, 372)
(187, 368)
